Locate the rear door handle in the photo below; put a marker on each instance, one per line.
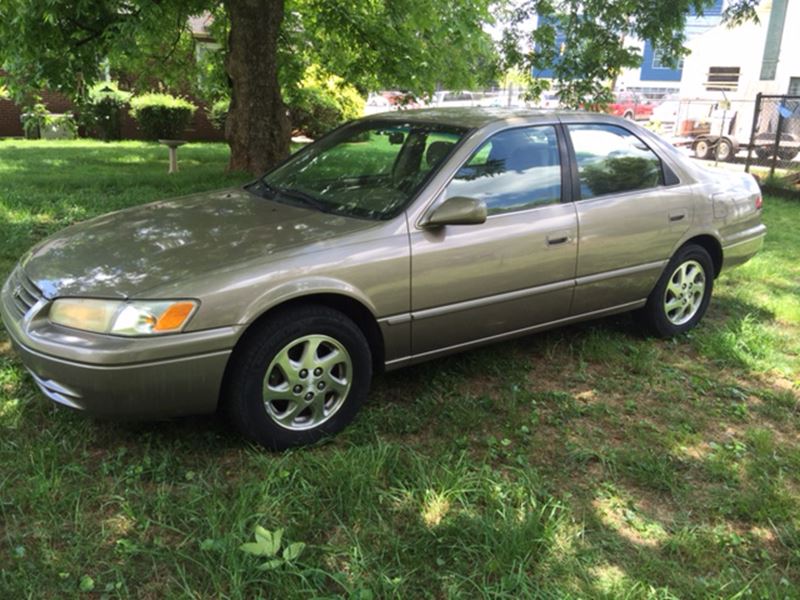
(674, 218)
(558, 239)
(678, 215)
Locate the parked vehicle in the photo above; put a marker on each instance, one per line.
(631, 106)
(456, 99)
(665, 113)
(393, 240)
(720, 129)
(548, 100)
(378, 103)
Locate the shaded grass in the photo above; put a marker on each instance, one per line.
(583, 462)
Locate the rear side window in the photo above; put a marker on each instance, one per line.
(513, 170)
(612, 160)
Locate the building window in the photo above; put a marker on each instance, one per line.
(722, 79)
(658, 62)
(794, 86)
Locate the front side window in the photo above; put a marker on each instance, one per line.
(369, 170)
(611, 160)
(513, 170)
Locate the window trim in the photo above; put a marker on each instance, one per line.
(666, 172)
(563, 158)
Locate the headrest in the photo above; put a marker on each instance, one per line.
(437, 151)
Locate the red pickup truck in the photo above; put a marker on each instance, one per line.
(631, 106)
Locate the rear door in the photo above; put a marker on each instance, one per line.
(632, 211)
(472, 282)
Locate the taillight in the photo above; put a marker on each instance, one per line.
(759, 202)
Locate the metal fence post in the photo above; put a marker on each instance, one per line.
(777, 144)
(753, 128)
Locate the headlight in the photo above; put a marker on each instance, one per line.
(123, 318)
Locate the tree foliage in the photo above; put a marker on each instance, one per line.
(413, 45)
(594, 42)
(407, 44)
(64, 44)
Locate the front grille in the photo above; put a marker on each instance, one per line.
(24, 294)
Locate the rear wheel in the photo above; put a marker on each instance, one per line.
(298, 377)
(725, 150)
(763, 152)
(681, 296)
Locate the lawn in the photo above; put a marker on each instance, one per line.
(584, 462)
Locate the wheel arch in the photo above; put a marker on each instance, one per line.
(711, 245)
(352, 307)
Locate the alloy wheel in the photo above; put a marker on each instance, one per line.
(684, 292)
(307, 382)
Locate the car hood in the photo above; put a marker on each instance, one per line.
(126, 253)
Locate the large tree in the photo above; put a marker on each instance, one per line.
(266, 45)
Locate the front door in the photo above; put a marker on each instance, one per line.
(514, 271)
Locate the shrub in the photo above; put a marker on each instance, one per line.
(101, 112)
(59, 127)
(33, 120)
(322, 102)
(161, 116)
(37, 123)
(218, 113)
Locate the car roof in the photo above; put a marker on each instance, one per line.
(472, 117)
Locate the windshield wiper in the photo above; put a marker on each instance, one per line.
(260, 186)
(300, 196)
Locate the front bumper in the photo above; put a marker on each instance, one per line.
(125, 378)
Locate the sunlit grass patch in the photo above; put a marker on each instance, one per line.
(747, 342)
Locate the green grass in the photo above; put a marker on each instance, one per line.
(584, 462)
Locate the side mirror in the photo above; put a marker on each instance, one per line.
(458, 210)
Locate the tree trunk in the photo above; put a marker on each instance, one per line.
(256, 128)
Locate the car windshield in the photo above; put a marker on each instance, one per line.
(370, 169)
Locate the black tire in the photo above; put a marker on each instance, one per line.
(762, 152)
(243, 391)
(654, 315)
(787, 153)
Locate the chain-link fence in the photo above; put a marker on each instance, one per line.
(775, 135)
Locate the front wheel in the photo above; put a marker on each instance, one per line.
(702, 149)
(681, 296)
(298, 377)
